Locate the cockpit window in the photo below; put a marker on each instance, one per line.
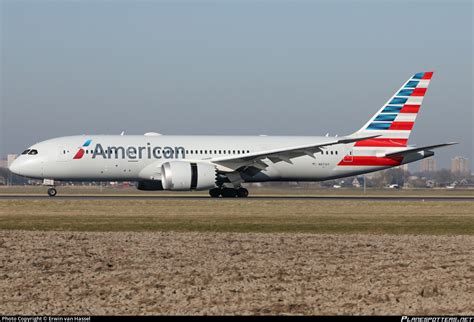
(26, 151)
(33, 152)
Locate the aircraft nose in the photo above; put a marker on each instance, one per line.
(27, 168)
(15, 167)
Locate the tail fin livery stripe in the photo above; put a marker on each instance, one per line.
(423, 84)
(396, 118)
(419, 92)
(386, 117)
(414, 100)
(383, 142)
(412, 92)
(406, 92)
(399, 100)
(411, 84)
(392, 109)
(379, 126)
(405, 117)
(427, 75)
(410, 109)
(405, 126)
(390, 134)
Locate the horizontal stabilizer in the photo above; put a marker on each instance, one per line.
(423, 148)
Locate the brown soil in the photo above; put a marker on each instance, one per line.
(234, 273)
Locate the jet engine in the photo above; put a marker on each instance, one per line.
(184, 175)
(149, 185)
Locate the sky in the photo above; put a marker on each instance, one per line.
(231, 67)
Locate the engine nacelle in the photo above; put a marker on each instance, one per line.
(184, 175)
(150, 185)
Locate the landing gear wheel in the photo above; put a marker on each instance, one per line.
(229, 193)
(215, 193)
(52, 192)
(242, 193)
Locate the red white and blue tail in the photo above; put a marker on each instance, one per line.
(392, 126)
(395, 120)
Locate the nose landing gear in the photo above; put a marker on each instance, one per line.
(50, 183)
(52, 192)
(229, 192)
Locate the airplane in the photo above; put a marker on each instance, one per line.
(221, 164)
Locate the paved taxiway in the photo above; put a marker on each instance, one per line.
(261, 197)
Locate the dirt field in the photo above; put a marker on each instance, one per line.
(234, 273)
(204, 256)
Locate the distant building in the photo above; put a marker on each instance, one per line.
(460, 165)
(404, 167)
(3, 163)
(428, 165)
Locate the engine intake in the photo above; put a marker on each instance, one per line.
(184, 175)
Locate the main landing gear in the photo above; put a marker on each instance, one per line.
(52, 192)
(229, 192)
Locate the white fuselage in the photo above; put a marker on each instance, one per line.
(139, 157)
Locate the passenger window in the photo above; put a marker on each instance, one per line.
(33, 152)
(26, 151)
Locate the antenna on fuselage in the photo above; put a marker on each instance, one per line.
(123, 132)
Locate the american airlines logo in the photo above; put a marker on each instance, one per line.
(80, 153)
(133, 152)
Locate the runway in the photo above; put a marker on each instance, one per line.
(258, 197)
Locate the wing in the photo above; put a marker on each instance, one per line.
(423, 148)
(232, 163)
